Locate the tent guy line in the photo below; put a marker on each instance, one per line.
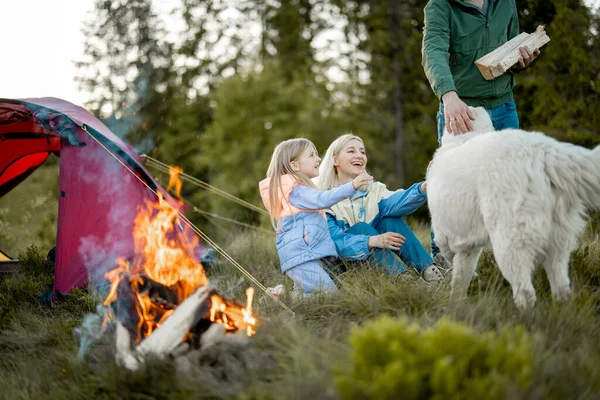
(233, 221)
(162, 167)
(198, 231)
(154, 163)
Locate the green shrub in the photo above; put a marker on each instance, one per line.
(392, 358)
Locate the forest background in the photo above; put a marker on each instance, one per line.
(214, 96)
(216, 93)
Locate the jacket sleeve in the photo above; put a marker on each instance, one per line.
(403, 202)
(513, 25)
(349, 246)
(436, 45)
(307, 198)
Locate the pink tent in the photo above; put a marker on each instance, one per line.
(99, 192)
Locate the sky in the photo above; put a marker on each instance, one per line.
(40, 41)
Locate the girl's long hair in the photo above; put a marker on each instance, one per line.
(280, 164)
(328, 178)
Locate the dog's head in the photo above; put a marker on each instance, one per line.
(481, 124)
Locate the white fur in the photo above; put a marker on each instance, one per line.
(481, 124)
(524, 193)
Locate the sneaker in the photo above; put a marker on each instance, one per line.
(441, 262)
(445, 267)
(277, 290)
(433, 274)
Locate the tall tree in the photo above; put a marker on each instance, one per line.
(253, 113)
(126, 70)
(221, 38)
(395, 98)
(289, 28)
(560, 93)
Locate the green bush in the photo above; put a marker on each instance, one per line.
(392, 358)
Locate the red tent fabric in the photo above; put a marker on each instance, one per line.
(99, 192)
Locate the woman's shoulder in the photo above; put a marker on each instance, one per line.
(380, 191)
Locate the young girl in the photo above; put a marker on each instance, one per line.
(295, 206)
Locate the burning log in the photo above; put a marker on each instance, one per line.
(170, 335)
(161, 302)
(204, 307)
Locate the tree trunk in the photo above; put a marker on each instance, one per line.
(397, 95)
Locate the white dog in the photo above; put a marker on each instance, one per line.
(525, 193)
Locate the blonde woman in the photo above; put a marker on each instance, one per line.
(296, 209)
(368, 224)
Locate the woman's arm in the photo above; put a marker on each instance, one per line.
(349, 246)
(403, 202)
(307, 198)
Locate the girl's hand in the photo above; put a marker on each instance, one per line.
(361, 180)
(388, 240)
(424, 187)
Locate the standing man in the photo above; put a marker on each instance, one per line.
(456, 33)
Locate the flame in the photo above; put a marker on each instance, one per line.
(175, 181)
(163, 261)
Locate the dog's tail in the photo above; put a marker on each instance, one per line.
(575, 171)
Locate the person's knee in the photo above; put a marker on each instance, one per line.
(362, 228)
(311, 277)
(393, 224)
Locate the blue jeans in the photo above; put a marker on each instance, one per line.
(503, 116)
(412, 253)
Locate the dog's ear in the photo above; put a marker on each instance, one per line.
(482, 122)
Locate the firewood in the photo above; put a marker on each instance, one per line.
(124, 356)
(172, 332)
(165, 339)
(497, 62)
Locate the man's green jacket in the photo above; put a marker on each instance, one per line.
(457, 33)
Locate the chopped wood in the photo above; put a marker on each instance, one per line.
(497, 62)
(213, 335)
(169, 336)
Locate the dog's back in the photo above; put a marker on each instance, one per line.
(522, 191)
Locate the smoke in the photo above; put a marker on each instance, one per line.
(118, 195)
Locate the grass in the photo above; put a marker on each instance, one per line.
(29, 212)
(293, 357)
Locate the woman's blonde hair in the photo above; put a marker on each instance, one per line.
(280, 164)
(328, 178)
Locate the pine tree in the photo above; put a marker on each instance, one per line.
(127, 70)
(560, 93)
(396, 99)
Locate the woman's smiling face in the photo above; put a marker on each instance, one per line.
(351, 160)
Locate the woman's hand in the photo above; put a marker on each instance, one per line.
(457, 114)
(361, 180)
(388, 240)
(424, 184)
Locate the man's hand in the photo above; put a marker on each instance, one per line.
(457, 114)
(526, 58)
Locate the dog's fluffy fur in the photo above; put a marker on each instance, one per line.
(524, 193)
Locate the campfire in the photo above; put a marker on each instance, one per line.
(161, 300)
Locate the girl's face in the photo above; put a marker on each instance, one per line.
(351, 161)
(308, 163)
